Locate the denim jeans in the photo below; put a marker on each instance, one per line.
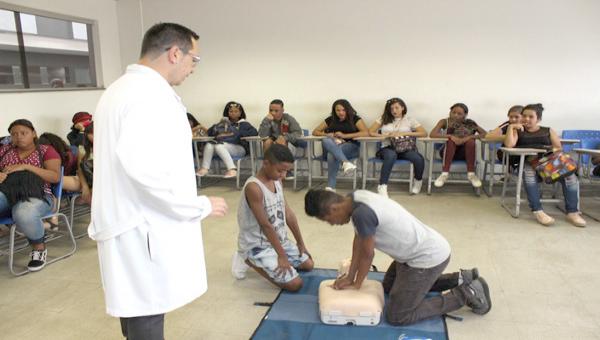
(570, 188)
(390, 155)
(225, 151)
(28, 216)
(335, 154)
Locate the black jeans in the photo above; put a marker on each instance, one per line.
(408, 287)
(149, 327)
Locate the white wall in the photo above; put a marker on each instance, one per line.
(488, 54)
(52, 111)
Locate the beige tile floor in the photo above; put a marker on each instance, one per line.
(544, 281)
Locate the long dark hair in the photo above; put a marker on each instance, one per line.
(193, 120)
(234, 104)
(58, 144)
(350, 112)
(88, 146)
(387, 116)
(26, 123)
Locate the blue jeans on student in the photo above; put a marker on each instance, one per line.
(390, 155)
(335, 155)
(28, 216)
(570, 188)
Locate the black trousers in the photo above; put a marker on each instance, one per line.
(149, 327)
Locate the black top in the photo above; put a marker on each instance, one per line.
(539, 139)
(504, 127)
(346, 126)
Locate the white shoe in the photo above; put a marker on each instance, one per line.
(543, 218)
(382, 190)
(348, 167)
(440, 181)
(238, 266)
(330, 189)
(475, 182)
(416, 189)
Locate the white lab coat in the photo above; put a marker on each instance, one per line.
(145, 209)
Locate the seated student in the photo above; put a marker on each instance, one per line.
(80, 121)
(228, 141)
(40, 166)
(342, 125)
(281, 128)
(263, 215)
(499, 133)
(395, 123)
(85, 164)
(197, 129)
(68, 160)
(529, 134)
(461, 133)
(420, 255)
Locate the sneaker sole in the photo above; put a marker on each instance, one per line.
(36, 269)
(486, 293)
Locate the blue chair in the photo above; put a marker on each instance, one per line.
(589, 139)
(398, 162)
(57, 191)
(322, 161)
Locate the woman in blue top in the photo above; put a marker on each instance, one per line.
(228, 141)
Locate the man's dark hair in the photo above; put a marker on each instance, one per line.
(277, 101)
(165, 35)
(278, 153)
(318, 201)
(538, 108)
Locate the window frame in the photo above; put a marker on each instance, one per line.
(93, 37)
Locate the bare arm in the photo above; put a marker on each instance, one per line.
(419, 132)
(363, 251)
(512, 135)
(50, 173)
(320, 130)
(556, 145)
(374, 130)
(436, 132)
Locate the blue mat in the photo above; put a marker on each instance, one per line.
(296, 316)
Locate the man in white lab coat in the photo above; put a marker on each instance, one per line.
(145, 209)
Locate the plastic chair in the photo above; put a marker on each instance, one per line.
(397, 162)
(57, 191)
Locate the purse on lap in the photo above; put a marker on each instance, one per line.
(403, 143)
(553, 166)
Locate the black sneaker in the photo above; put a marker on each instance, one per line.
(477, 296)
(469, 275)
(38, 260)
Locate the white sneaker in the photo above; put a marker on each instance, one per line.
(440, 181)
(475, 182)
(416, 189)
(348, 167)
(238, 266)
(382, 190)
(330, 189)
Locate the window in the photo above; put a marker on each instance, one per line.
(44, 52)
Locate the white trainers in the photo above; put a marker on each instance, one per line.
(416, 189)
(382, 190)
(475, 182)
(348, 167)
(441, 180)
(330, 189)
(543, 218)
(238, 266)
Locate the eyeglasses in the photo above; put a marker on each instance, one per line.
(195, 58)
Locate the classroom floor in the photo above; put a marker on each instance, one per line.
(544, 281)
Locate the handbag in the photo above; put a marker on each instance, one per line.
(403, 143)
(20, 186)
(553, 166)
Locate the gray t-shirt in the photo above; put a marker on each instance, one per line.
(251, 235)
(397, 232)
